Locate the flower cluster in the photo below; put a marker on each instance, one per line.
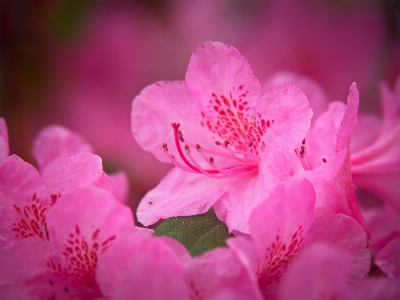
(288, 172)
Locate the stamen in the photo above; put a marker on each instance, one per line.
(250, 143)
(324, 160)
(301, 155)
(247, 162)
(181, 136)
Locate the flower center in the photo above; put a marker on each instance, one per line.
(240, 161)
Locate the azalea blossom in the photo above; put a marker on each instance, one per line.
(221, 133)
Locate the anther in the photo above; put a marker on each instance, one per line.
(211, 159)
(66, 289)
(226, 143)
(324, 160)
(198, 147)
(51, 282)
(187, 149)
(250, 143)
(180, 136)
(304, 141)
(165, 147)
(217, 143)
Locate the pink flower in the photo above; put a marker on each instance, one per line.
(278, 229)
(376, 166)
(160, 268)
(58, 223)
(223, 131)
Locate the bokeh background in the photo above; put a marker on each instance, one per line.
(79, 63)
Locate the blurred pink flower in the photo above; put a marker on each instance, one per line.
(160, 268)
(278, 229)
(375, 163)
(230, 132)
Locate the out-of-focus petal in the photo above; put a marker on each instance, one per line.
(141, 268)
(55, 141)
(181, 194)
(388, 259)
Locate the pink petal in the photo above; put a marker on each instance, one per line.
(23, 270)
(309, 277)
(68, 173)
(388, 259)
(376, 168)
(335, 190)
(121, 183)
(23, 201)
(344, 233)
(221, 70)
(349, 119)
(181, 194)
(374, 289)
(365, 132)
(143, 268)
(236, 204)
(55, 141)
(316, 96)
(287, 110)
(4, 148)
(82, 227)
(278, 228)
(159, 105)
(218, 274)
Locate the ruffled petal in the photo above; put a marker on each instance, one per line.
(156, 108)
(345, 234)
(220, 70)
(315, 94)
(181, 194)
(55, 141)
(219, 274)
(23, 201)
(308, 277)
(68, 173)
(286, 113)
(141, 268)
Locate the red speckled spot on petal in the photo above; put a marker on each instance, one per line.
(278, 258)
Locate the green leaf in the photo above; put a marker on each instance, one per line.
(198, 233)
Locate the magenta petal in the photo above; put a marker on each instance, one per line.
(141, 268)
(219, 274)
(388, 259)
(287, 110)
(344, 233)
(121, 184)
(287, 211)
(374, 289)
(23, 201)
(320, 272)
(220, 70)
(349, 119)
(159, 105)
(4, 148)
(316, 96)
(68, 173)
(56, 141)
(181, 194)
(23, 270)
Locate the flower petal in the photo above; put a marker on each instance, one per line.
(219, 69)
(55, 141)
(181, 194)
(143, 268)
